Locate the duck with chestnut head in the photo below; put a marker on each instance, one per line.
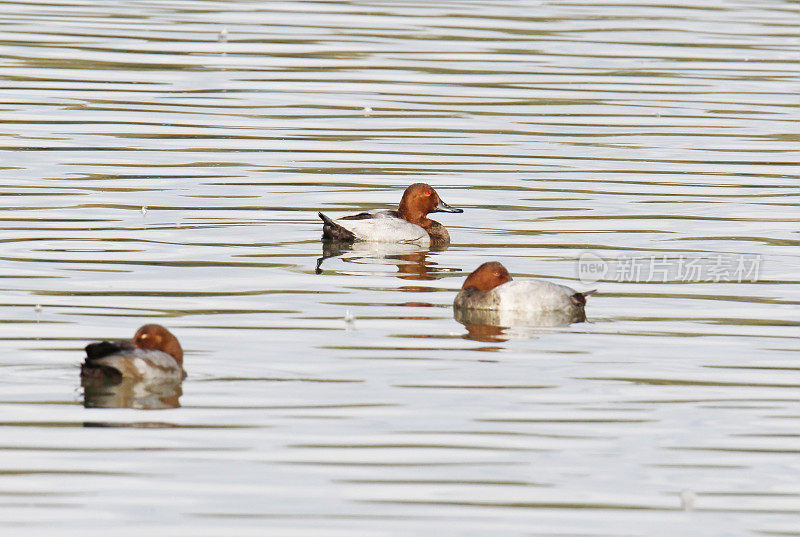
(154, 354)
(408, 224)
(490, 288)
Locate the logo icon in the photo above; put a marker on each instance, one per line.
(591, 268)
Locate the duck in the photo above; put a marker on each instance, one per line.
(408, 224)
(490, 287)
(154, 354)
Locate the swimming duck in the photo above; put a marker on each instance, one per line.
(490, 287)
(154, 353)
(409, 223)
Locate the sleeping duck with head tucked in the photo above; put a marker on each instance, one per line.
(408, 224)
(490, 294)
(153, 355)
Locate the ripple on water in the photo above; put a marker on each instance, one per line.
(332, 390)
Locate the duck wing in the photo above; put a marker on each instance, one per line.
(375, 226)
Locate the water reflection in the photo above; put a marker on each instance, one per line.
(412, 260)
(130, 393)
(502, 325)
(415, 266)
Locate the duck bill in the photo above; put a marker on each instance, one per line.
(445, 208)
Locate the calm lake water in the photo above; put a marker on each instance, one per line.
(648, 135)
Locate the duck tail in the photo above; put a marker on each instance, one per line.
(579, 299)
(101, 349)
(333, 231)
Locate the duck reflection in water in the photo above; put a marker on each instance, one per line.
(498, 326)
(411, 260)
(144, 372)
(494, 308)
(128, 393)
